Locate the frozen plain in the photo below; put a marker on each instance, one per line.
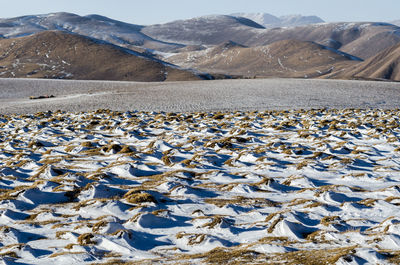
(200, 186)
(259, 94)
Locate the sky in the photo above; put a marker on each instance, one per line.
(159, 11)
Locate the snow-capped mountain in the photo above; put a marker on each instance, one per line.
(202, 34)
(396, 22)
(205, 30)
(271, 21)
(94, 26)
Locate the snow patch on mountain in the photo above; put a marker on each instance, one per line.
(271, 21)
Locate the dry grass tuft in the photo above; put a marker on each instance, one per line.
(312, 257)
(135, 197)
(86, 239)
(327, 220)
(227, 256)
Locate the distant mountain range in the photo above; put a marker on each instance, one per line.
(271, 21)
(360, 39)
(396, 22)
(95, 26)
(216, 46)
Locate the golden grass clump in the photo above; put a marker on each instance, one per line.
(135, 197)
(87, 144)
(216, 220)
(54, 255)
(86, 239)
(193, 239)
(242, 201)
(313, 257)
(327, 220)
(271, 228)
(233, 256)
(97, 226)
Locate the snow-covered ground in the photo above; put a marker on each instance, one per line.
(202, 187)
(232, 95)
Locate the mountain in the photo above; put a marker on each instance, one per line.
(396, 22)
(384, 66)
(58, 54)
(270, 21)
(299, 20)
(363, 40)
(289, 58)
(95, 26)
(206, 30)
(263, 19)
(65, 45)
(360, 39)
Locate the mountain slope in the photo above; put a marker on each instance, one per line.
(384, 66)
(289, 58)
(206, 30)
(270, 21)
(396, 22)
(299, 20)
(57, 54)
(360, 39)
(95, 26)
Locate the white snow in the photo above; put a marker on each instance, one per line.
(146, 185)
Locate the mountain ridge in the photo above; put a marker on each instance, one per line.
(207, 44)
(271, 21)
(288, 58)
(383, 66)
(96, 26)
(208, 30)
(361, 39)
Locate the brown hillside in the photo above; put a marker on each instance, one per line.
(56, 54)
(289, 58)
(384, 66)
(362, 39)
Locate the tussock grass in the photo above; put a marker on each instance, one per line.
(313, 257)
(86, 239)
(233, 256)
(135, 197)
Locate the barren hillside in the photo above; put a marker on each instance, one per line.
(359, 39)
(363, 40)
(56, 54)
(289, 58)
(384, 66)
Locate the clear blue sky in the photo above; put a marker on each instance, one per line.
(158, 11)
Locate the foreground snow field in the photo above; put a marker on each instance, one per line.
(289, 187)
